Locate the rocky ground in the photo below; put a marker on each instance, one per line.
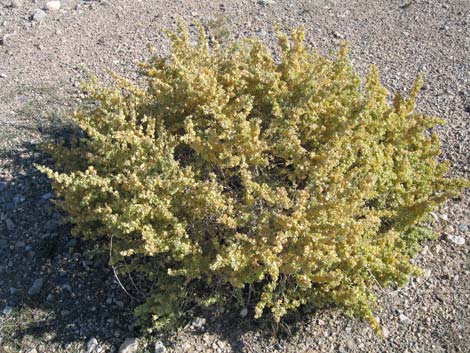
(58, 294)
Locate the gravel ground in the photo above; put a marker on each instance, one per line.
(57, 294)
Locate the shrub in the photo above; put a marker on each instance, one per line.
(223, 172)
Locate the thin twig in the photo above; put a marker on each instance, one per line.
(375, 279)
(132, 280)
(114, 268)
(249, 294)
(134, 285)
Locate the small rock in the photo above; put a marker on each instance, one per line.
(198, 322)
(7, 310)
(385, 332)
(160, 347)
(278, 347)
(18, 199)
(92, 345)
(120, 303)
(405, 319)
(67, 287)
(38, 15)
(36, 287)
(15, 4)
(266, 2)
(13, 301)
(10, 225)
(244, 312)
(13, 290)
(50, 297)
(130, 345)
(463, 227)
(46, 196)
(338, 35)
(457, 240)
(32, 350)
(65, 312)
(186, 346)
(53, 6)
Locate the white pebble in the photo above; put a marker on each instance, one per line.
(53, 5)
(159, 347)
(38, 15)
(457, 240)
(92, 345)
(405, 319)
(7, 310)
(130, 345)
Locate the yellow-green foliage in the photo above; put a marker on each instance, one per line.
(224, 169)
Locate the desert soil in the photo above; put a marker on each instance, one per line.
(58, 294)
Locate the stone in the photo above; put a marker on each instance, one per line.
(50, 297)
(338, 35)
(71, 243)
(15, 4)
(18, 199)
(385, 332)
(159, 347)
(405, 319)
(278, 347)
(13, 290)
(244, 312)
(32, 350)
(38, 15)
(130, 345)
(53, 6)
(7, 310)
(463, 227)
(198, 322)
(457, 240)
(36, 287)
(92, 345)
(186, 346)
(266, 2)
(46, 196)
